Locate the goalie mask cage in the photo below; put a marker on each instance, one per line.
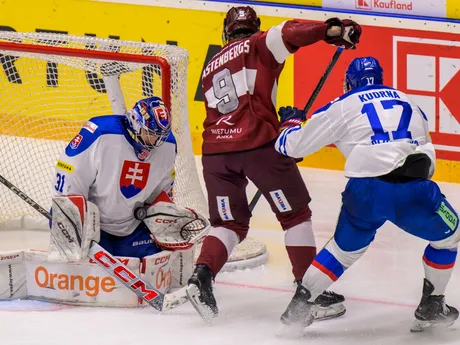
(51, 84)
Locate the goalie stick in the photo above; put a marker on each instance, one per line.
(307, 107)
(111, 265)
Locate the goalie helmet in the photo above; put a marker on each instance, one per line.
(363, 71)
(149, 124)
(240, 21)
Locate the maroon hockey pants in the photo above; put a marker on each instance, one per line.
(276, 176)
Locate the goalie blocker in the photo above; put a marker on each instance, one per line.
(66, 275)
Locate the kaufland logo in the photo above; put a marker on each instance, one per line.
(383, 4)
(428, 70)
(364, 4)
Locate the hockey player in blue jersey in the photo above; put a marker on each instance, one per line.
(389, 162)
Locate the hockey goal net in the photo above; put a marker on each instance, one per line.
(51, 84)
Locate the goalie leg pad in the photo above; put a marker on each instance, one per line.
(12, 275)
(182, 264)
(80, 282)
(75, 224)
(156, 270)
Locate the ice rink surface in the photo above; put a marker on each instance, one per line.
(382, 291)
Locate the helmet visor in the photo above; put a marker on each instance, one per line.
(150, 138)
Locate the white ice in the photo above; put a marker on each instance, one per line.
(382, 290)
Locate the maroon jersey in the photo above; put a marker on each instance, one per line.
(240, 85)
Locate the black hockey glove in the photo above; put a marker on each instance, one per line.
(291, 117)
(350, 32)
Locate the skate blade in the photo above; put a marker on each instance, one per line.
(203, 310)
(420, 326)
(175, 299)
(325, 313)
(293, 331)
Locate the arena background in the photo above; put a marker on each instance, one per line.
(420, 55)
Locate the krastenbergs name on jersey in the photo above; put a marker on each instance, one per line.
(228, 53)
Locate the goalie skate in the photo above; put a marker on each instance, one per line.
(433, 312)
(199, 292)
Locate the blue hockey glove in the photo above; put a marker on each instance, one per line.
(291, 117)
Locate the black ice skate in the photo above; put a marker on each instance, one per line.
(433, 311)
(299, 313)
(199, 292)
(328, 305)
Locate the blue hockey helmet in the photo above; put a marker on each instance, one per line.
(149, 123)
(363, 71)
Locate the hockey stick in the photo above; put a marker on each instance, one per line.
(307, 107)
(109, 263)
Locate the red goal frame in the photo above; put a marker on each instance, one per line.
(94, 54)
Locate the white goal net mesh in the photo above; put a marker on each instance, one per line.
(51, 84)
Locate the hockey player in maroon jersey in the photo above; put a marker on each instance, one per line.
(240, 85)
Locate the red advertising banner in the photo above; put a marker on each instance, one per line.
(423, 64)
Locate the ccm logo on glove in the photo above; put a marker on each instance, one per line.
(165, 221)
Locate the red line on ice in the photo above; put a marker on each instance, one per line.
(267, 288)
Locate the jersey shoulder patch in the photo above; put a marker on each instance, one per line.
(93, 129)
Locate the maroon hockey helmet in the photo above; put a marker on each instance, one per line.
(240, 20)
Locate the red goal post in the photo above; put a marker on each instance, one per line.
(100, 55)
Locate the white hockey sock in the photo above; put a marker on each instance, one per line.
(439, 265)
(328, 266)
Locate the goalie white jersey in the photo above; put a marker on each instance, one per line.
(375, 127)
(101, 164)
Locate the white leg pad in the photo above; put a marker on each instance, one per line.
(12, 275)
(78, 282)
(182, 266)
(156, 270)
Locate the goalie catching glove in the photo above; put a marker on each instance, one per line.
(174, 227)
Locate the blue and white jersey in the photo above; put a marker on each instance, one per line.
(375, 127)
(100, 163)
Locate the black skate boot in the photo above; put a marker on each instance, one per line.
(199, 292)
(328, 305)
(433, 311)
(299, 312)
